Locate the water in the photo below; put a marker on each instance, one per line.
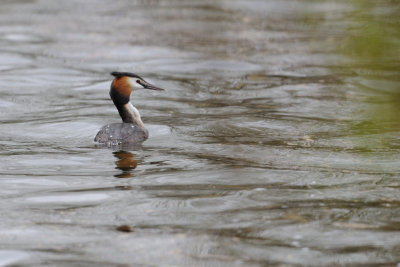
(275, 143)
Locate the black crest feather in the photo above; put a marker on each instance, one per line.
(122, 74)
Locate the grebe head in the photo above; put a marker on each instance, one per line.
(126, 82)
(121, 88)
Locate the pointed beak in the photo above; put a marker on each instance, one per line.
(147, 85)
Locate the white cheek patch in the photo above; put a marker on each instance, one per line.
(134, 84)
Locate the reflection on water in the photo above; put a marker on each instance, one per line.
(371, 50)
(277, 143)
(375, 33)
(126, 163)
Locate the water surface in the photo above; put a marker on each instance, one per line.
(276, 141)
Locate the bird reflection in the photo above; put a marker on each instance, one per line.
(126, 163)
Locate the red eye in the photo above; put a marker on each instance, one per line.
(138, 81)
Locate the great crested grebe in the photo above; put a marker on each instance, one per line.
(131, 131)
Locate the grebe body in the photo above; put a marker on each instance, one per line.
(131, 131)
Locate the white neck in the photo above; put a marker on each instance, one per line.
(133, 114)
